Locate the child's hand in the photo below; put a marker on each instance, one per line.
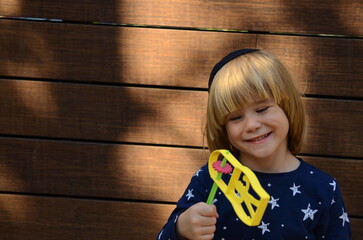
(198, 222)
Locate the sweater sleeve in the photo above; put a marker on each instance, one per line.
(336, 224)
(197, 191)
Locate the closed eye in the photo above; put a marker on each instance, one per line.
(262, 110)
(236, 118)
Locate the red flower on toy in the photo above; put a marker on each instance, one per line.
(218, 167)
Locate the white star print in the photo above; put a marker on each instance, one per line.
(332, 201)
(344, 217)
(334, 184)
(264, 228)
(273, 202)
(269, 185)
(161, 233)
(309, 213)
(190, 194)
(197, 173)
(295, 189)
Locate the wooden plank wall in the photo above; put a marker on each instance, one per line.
(102, 104)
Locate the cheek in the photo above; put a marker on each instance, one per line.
(229, 131)
(283, 123)
(233, 133)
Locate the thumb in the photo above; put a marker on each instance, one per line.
(215, 211)
(209, 210)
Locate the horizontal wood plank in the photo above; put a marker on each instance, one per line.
(129, 171)
(97, 170)
(114, 55)
(43, 218)
(334, 119)
(322, 66)
(149, 115)
(357, 231)
(107, 113)
(26, 217)
(328, 66)
(318, 17)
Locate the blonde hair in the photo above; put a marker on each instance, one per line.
(254, 75)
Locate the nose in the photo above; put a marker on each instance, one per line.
(252, 123)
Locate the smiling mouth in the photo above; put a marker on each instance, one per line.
(259, 138)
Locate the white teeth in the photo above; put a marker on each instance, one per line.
(258, 138)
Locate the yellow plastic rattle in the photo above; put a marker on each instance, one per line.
(247, 207)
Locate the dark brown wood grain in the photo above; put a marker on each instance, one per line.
(112, 54)
(156, 116)
(329, 66)
(107, 113)
(97, 124)
(318, 17)
(357, 231)
(104, 54)
(129, 171)
(334, 127)
(27, 217)
(97, 170)
(43, 218)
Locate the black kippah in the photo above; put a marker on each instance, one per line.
(225, 60)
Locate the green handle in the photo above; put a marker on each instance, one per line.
(214, 188)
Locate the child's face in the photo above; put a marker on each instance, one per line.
(258, 130)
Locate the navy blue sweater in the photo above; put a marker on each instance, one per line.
(304, 204)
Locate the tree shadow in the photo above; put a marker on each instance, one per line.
(64, 113)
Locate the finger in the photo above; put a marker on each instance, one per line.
(208, 221)
(202, 221)
(207, 236)
(202, 232)
(208, 210)
(205, 230)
